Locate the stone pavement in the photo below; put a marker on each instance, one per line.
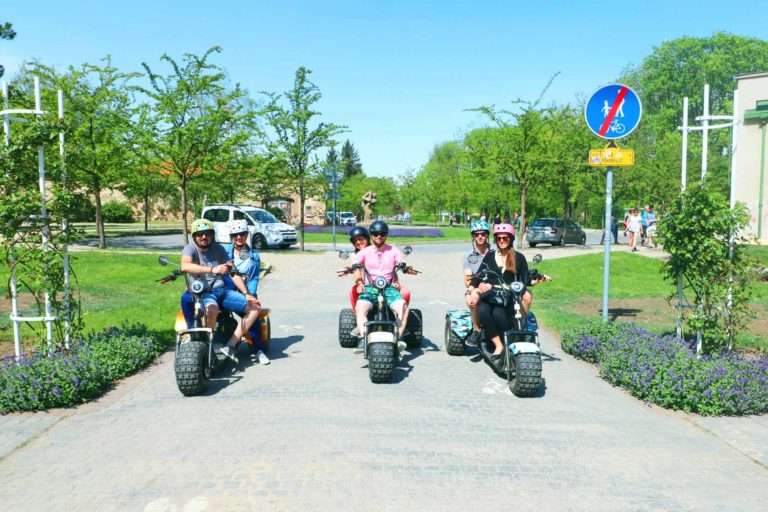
(310, 432)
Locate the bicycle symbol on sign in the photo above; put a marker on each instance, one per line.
(616, 126)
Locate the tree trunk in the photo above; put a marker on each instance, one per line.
(301, 215)
(146, 211)
(523, 196)
(185, 229)
(99, 214)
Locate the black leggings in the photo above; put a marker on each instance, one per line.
(492, 318)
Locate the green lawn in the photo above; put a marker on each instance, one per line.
(451, 235)
(637, 294)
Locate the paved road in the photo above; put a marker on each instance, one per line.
(310, 432)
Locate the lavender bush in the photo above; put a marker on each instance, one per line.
(85, 371)
(665, 371)
(394, 232)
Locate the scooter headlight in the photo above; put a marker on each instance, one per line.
(517, 286)
(380, 282)
(197, 286)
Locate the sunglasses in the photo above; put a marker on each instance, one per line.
(480, 233)
(501, 238)
(204, 233)
(237, 235)
(358, 240)
(378, 234)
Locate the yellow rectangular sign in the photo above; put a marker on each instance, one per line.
(610, 157)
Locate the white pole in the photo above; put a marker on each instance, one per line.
(65, 230)
(705, 135)
(607, 241)
(43, 214)
(734, 147)
(684, 177)
(14, 289)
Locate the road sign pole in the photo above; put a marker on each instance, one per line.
(607, 242)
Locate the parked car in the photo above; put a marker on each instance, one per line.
(347, 219)
(265, 229)
(553, 231)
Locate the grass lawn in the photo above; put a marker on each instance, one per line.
(637, 294)
(451, 235)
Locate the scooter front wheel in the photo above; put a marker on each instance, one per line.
(381, 361)
(525, 378)
(192, 373)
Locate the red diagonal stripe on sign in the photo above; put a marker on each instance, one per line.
(612, 112)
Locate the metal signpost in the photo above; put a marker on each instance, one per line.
(612, 112)
(332, 177)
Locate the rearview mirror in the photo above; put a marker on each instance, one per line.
(473, 258)
(407, 250)
(245, 253)
(537, 259)
(162, 260)
(344, 255)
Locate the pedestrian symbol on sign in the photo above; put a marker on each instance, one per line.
(613, 111)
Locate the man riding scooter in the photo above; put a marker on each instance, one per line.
(205, 257)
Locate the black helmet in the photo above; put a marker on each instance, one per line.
(379, 227)
(359, 231)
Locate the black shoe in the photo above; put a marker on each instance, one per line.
(473, 339)
(360, 348)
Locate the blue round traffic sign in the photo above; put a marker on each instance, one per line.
(613, 111)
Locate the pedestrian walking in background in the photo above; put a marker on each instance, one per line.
(497, 218)
(635, 228)
(644, 223)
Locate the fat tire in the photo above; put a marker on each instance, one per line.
(347, 322)
(191, 374)
(453, 344)
(415, 328)
(527, 379)
(381, 362)
(268, 341)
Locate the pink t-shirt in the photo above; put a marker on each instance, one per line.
(379, 262)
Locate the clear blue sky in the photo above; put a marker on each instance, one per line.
(399, 74)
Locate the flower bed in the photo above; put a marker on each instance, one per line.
(394, 232)
(665, 371)
(67, 378)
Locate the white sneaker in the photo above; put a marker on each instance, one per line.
(355, 332)
(262, 357)
(401, 346)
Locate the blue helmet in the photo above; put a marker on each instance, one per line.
(480, 225)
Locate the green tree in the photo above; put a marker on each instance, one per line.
(695, 232)
(202, 125)
(350, 160)
(680, 68)
(295, 140)
(353, 189)
(6, 32)
(99, 109)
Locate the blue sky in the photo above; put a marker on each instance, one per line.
(399, 74)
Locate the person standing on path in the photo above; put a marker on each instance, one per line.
(634, 228)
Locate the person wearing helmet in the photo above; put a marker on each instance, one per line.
(249, 267)
(204, 256)
(480, 247)
(512, 266)
(378, 259)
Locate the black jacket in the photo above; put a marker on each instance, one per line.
(522, 275)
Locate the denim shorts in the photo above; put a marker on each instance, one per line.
(390, 294)
(227, 299)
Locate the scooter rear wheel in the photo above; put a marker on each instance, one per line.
(453, 345)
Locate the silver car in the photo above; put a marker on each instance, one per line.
(553, 231)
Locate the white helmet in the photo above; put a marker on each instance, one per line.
(238, 226)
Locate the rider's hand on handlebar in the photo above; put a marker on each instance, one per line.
(344, 271)
(360, 287)
(484, 287)
(396, 285)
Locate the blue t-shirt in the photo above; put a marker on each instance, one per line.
(249, 266)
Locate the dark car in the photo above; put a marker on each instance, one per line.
(553, 231)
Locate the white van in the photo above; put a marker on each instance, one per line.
(265, 229)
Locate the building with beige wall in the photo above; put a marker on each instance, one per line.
(749, 159)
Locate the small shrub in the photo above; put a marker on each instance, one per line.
(84, 372)
(117, 211)
(664, 370)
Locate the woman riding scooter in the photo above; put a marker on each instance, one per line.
(512, 266)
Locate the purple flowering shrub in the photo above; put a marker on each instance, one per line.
(394, 232)
(67, 378)
(664, 370)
